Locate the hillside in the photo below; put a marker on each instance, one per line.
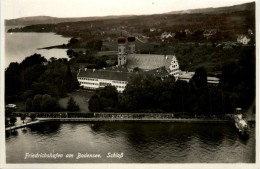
(33, 20)
(247, 6)
(54, 20)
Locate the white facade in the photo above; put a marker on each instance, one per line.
(186, 76)
(121, 54)
(174, 68)
(94, 83)
(131, 47)
(125, 47)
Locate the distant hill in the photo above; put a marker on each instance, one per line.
(54, 20)
(33, 20)
(247, 6)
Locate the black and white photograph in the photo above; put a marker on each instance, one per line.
(129, 82)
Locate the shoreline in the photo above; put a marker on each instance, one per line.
(54, 47)
(138, 120)
(191, 120)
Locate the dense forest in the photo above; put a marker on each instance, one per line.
(39, 83)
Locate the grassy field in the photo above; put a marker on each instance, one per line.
(81, 97)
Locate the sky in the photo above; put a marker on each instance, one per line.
(84, 8)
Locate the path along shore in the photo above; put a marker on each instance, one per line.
(169, 120)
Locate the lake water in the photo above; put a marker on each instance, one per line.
(21, 45)
(139, 143)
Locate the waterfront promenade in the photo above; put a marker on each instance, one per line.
(23, 125)
(121, 119)
(191, 120)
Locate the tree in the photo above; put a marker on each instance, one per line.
(53, 59)
(32, 116)
(35, 59)
(94, 103)
(73, 41)
(17, 80)
(13, 120)
(69, 80)
(200, 77)
(57, 80)
(28, 105)
(136, 69)
(108, 97)
(12, 79)
(36, 103)
(70, 53)
(72, 105)
(238, 81)
(6, 121)
(23, 117)
(44, 103)
(49, 103)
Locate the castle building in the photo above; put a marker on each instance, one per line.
(127, 57)
(95, 79)
(159, 65)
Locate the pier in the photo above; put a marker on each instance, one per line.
(134, 120)
(23, 125)
(161, 120)
(118, 117)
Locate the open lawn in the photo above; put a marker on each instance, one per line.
(81, 97)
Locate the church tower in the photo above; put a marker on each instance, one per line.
(131, 44)
(122, 51)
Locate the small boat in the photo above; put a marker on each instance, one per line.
(240, 124)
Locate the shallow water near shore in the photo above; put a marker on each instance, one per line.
(18, 46)
(135, 142)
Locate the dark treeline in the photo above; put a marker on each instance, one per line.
(88, 59)
(37, 83)
(147, 93)
(194, 55)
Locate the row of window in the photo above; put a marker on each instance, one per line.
(174, 70)
(173, 66)
(92, 88)
(119, 50)
(175, 73)
(120, 82)
(83, 78)
(88, 83)
(119, 86)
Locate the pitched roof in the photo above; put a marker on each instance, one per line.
(105, 74)
(148, 61)
(158, 72)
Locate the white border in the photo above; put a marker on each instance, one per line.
(134, 165)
